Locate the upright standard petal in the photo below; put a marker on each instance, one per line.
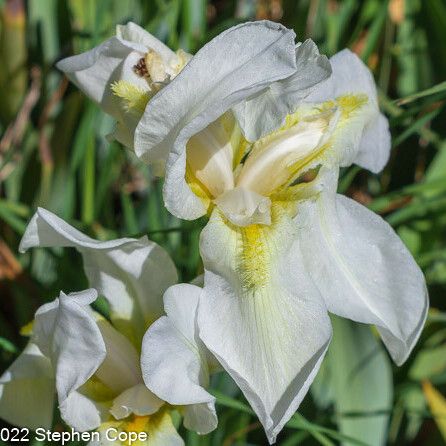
(27, 390)
(66, 332)
(351, 76)
(266, 111)
(132, 274)
(131, 32)
(361, 267)
(260, 315)
(174, 361)
(237, 64)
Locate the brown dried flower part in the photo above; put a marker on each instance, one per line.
(141, 68)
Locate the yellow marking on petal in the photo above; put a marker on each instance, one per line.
(154, 425)
(257, 245)
(348, 106)
(199, 189)
(134, 97)
(254, 263)
(27, 330)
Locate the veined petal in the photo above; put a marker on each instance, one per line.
(27, 390)
(261, 316)
(238, 63)
(351, 77)
(66, 332)
(266, 111)
(173, 359)
(131, 273)
(138, 400)
(361, 267)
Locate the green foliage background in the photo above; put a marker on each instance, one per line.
(54, 154)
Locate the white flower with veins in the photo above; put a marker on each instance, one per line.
(281, 248)
(96, 366)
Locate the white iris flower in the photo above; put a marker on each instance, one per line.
(95, 366)
(282, 249)
(128, 74)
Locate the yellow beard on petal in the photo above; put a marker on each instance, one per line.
(256, 248)
(134, 98)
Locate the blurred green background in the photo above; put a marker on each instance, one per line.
(54, 154)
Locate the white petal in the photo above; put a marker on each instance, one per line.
(374, 150)
(266, 111)
(134, 33)
(352, 76)
(260, 315)
(132, 274)
(200, 418)
(238, 63)
(362, 268)
(82, 413)
(66, 332)
(173, 359)
(95, 70)
(120, 368)
(27, 390)
(138, 400)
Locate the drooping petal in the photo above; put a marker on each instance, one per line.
(27, 390)
(266, 111)
(131, 273)
(173, 359)
(83, 413)
(361, 267)
(138, 400)
(260, 315)
(201, 418)
(95, 70)
(66, 332)
(236, 64)
(351, 76)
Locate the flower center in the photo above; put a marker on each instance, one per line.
(242, 191)
(147, 76)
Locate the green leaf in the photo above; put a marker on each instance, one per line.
(7, 345)
(361, 380)
(439, 88)
(428, 363)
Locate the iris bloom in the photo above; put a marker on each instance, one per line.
(94, 364)
(123, 73)
(282, 249)
(127, 76)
